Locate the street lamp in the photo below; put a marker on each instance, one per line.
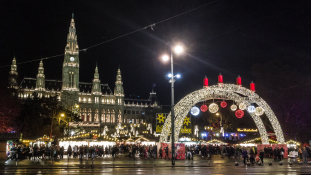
(177, 49)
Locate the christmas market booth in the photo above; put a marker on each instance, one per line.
(90, 139)
(40, 141)
(213, 142)
(7, 141)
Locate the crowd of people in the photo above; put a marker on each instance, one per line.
(248, 154)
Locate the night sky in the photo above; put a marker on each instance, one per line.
(225, 36)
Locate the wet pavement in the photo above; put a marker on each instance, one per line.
(126, 165)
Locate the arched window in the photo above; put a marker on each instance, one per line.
(119, 117)
(108, 116)
(103, 116)
(113, 116)
(89, 115)
(96, 119)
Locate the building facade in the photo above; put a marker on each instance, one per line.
(99, 106)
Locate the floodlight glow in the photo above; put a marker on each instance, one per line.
(165, 57)
(178, 76)
(169, 75)
(195, 111)
(178, 49)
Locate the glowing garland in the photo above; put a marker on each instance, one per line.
(213, 108)
(230, 92)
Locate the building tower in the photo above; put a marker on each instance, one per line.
(70, 76)
(119, 94)
(40, 83)
(13, 75)
(96, 89)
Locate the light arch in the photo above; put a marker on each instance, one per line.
(223, 91)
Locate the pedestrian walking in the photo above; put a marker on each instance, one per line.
(305, 155)
(261, 154)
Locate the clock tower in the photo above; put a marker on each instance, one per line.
(70, 76)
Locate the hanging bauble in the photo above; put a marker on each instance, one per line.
(259, 111)
(251, 109)
(213, 108)
(223, 104)
(203, 108)
(195, 111)
(233, 107)
(242, 106)
(239, 113)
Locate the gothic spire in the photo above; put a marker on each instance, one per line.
(40, 83)
(96, 82)
(72, 43)
(14, 66)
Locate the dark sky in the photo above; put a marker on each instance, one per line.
(226, 36)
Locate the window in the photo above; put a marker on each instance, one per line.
(133, 112)
(142, 112)
(128, 121)
(124, 111)
(141, 121)
(137, 121)
(137, 112)
(129, 112)
(71, 79)
(96, 99)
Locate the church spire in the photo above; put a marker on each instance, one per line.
(13, 75)
(118, 90)
(96, 82)
(72, 43)
(40, 83)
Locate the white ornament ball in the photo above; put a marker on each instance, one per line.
(213, 108)
(251, 109)
(233, 107)
(195, 111)
(242, 106)
(259, 111)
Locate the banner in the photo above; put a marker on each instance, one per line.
(186, 127)
(160, 119)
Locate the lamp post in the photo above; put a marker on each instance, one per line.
(177, 49)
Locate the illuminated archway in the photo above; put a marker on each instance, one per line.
(224, 91)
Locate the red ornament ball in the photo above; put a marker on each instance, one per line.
(239, 113)
(223, 104)
(203, 108)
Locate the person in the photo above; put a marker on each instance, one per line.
(61, 152)
(166, 153)
(30, 152)
(262, 154)
(130, 151)
(252, 154)
(300, 153)
(245, 155)
(160, 152)
(52, 153)
(87, 150)
(282, 152)
(305, 155)
(69, 151)
(275, 154)
(81, 152)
